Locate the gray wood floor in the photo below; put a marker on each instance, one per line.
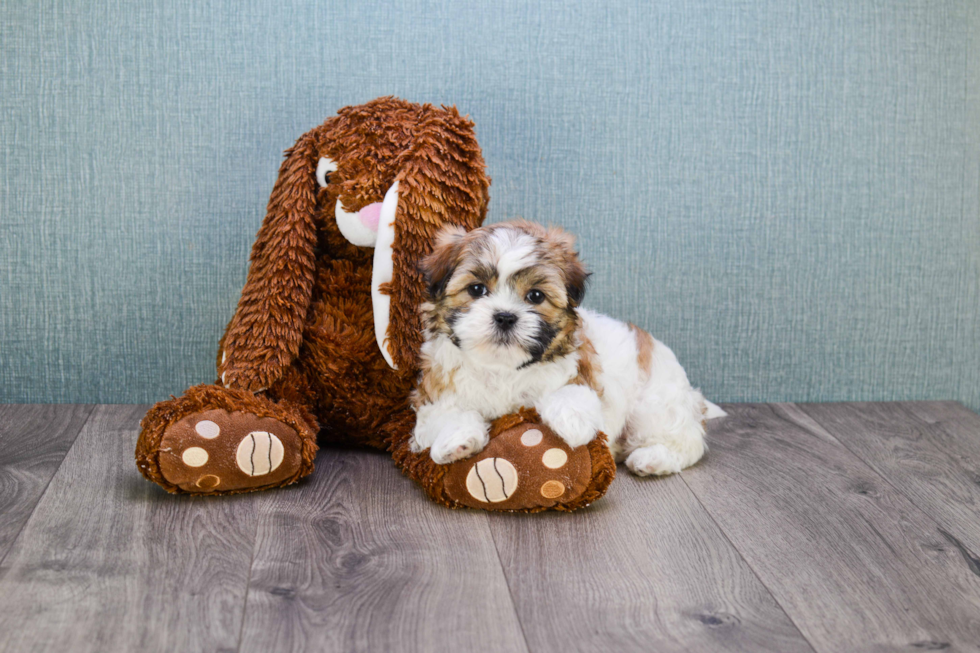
(824, 527)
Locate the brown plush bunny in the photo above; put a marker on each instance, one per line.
(326, 336)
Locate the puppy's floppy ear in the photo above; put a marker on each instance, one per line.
(438, 267)
(576, 276)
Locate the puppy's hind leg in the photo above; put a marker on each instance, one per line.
(659, 460)
(667, 433)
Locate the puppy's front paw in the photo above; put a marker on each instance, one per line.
(460, 438)
(574, 412)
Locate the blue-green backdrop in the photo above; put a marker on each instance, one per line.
(787, 193)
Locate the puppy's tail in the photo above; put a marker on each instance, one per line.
(714, 411)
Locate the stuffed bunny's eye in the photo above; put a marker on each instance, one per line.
(323, 169)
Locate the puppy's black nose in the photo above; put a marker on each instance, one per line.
(504, 320)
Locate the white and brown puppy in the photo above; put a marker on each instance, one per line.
(504, 330)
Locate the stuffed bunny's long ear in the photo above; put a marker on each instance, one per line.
(265, 334)
(441, 181)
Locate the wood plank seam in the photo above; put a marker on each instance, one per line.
(88, 417)
(510, 590)
(748, 564)
(972, 561)
(754, 433)
(640, 586)
(108, 562)
(969, 557)
(248, 586)
(956, 460)
(371, 576)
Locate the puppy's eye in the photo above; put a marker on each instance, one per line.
(476, 290)
(534, 296)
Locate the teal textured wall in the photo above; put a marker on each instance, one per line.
(787, 193)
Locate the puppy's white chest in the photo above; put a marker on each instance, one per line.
(494, 392)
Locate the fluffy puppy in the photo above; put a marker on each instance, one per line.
(504, 330)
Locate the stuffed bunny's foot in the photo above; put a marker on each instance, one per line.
(528, 467)
(220, 451)
(215, 440)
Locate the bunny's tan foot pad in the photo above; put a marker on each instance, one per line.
(529, 468)
(216, 451)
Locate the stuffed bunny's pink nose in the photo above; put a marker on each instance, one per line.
(370, 215)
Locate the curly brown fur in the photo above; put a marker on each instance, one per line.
(307, 299)
(434, 156)
(300, 346)
(303, 329)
